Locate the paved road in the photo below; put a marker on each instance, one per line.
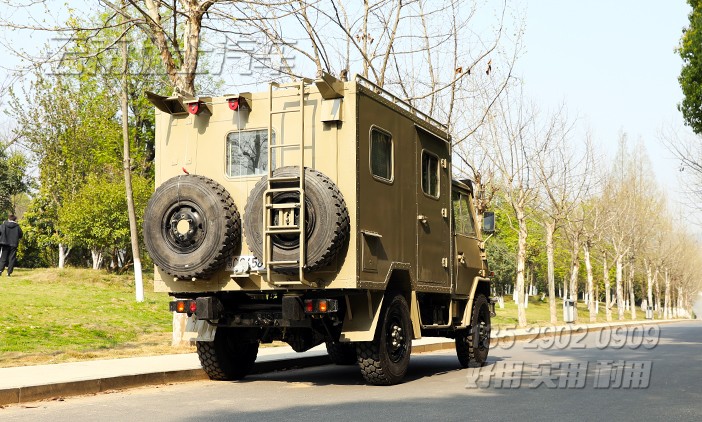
(627, 374)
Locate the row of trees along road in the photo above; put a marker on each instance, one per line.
(559, 204)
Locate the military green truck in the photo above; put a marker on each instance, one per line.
(319, 211)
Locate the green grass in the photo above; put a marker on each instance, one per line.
(51, 315)
(538, 313)
(57, 315)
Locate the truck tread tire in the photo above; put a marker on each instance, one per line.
(206, 208)
(227, 358)
(327, 221)
(342, 353)
(473, 344)
(380, 362)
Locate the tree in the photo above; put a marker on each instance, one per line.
(14, 180)
(68, 125)
(515, 139)
(690, 78)
(96, 218)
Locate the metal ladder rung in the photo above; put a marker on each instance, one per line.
(269, 191)
(285, 179)
(284, 145)
(283, 206)
(283, 263)
(281, 230)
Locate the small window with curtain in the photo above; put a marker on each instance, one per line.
(247, 152)
(381, 155)
(430, 174)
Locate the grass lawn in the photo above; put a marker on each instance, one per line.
(54, 315)
(538, 313)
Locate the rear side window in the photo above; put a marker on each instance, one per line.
(430, 174)
(247, 152)
(381, 155)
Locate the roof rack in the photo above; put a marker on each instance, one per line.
(400, 102)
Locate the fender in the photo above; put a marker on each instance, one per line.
(362, 314)
(467, 313)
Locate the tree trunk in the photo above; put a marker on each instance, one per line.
(608, 290)
(666, 300)
(574, 270)
(126, 163)
(550, 229)
(590, 287)
(620, 292)
(632, 297)
(649, 285)
(63, 252)
(521, 259)
(658, 293)
(96, 255)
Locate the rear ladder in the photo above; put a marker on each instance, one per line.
(285, 213)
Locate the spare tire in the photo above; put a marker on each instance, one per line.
(326, 221)
(191, 226)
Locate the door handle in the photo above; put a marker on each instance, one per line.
(422, 218)
(461, 258)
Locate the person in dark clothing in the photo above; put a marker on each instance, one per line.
(10, 235)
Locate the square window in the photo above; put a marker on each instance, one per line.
(381, 155)
(430, 174)
(247, 152)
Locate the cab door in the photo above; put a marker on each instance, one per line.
(468, 256)
(433, 199)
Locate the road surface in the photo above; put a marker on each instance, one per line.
(630, 373)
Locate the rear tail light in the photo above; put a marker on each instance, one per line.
(321, 306)
(183, 306)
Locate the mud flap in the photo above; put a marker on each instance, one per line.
(199, 330)
(362, 314)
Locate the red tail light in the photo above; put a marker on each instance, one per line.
(194, 108)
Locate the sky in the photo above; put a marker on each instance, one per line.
(614, 65)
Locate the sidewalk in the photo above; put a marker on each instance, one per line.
(41, 382)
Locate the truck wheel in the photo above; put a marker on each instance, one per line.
(191, 226)
(473, 344)
(228, 357)
(342, 353)
(384, 361)
(326, 221)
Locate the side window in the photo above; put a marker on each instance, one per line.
(247, 152)
(430, 174)
(462, 215)
(381, 155)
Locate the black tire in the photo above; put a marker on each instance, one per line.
(342, 353)
(327, 221)
(191, 226)
(473, 344)
(383, 362)
(228, 357)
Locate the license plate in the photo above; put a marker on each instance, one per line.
(254, 263)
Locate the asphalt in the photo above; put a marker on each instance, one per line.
(50, 382)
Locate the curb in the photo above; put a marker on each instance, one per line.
(89, 387)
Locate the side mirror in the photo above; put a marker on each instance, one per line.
(489, 222)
